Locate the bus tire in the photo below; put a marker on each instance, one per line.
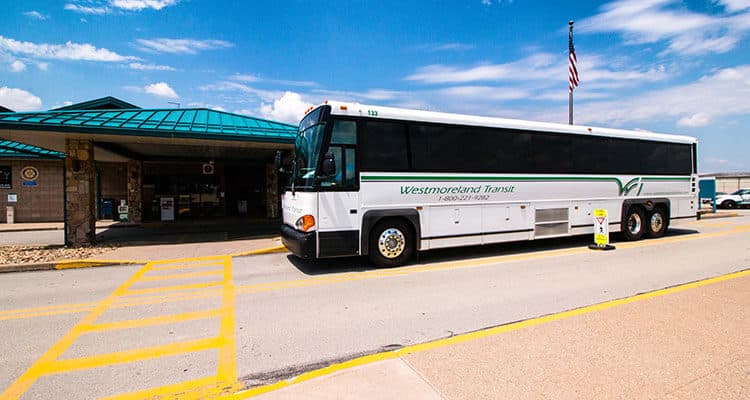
(633, 223)
(392, 243)
(656, 223)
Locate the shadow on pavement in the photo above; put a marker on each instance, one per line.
(361, 264)
(214, 230)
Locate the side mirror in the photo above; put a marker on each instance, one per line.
(277, 160)
(329, 166)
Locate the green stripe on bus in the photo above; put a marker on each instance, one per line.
(622, 188)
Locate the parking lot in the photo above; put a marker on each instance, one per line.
(218, 326)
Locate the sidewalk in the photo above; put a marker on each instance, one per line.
(187, 250)
(687, 344)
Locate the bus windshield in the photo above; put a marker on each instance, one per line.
(307, 149)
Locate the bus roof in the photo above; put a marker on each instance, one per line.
(378, 112)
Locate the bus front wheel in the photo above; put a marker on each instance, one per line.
(392, 243)
(633, 224)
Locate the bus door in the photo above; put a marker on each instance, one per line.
(338, 201)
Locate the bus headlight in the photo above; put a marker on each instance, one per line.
(305, 222)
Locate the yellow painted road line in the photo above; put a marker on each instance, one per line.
(480, 334)
(140, 354)
(151, 321)
(156, 393)
(168, 298)
(202, 388)
(72, 264)
(156, 264)
(227, 366)
(188, 266)
(71, 310)
(47, 308)
(269, 250)
(201, 293)
(175, 288)
(186, 275)
(40, 366)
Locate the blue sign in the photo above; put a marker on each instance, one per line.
(29, 183)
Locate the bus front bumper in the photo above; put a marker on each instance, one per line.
(301, 244)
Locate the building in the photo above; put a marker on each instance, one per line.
(79, 163)
(729, 182)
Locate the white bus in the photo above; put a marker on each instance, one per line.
(388, 182)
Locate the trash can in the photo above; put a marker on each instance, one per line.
(107, 209)
(10, 214)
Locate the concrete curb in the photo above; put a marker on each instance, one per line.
(30, 229)
(75, 264)
(711, 215)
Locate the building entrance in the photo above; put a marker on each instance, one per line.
(203, 190)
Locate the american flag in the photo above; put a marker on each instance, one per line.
(572, 68)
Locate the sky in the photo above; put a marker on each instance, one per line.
(657, 65)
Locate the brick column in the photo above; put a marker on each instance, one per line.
(135, 199)
(272, 191)
(80, 187)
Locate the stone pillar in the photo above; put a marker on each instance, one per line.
(272, 191)
(135, 198)
(79, 185)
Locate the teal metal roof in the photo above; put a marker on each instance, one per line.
(192, 123)
(9, 149)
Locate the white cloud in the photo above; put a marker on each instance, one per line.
(67, 51)
(453, 46)
(138, 5)
(150, 67)
(543, 69)
(161, 89)
(43, 66)
(485, 92)
(33, 14)
(198, 104)
(686, 32)
(17, 66)
(735, 5)
(534, 67)
(289, 108)
(244, 78)
(101, 7)
(721, 94)
(94, 10)
(264, 95)
(19, 99)
(284, 82)
(181, 46)
(715, 160)
(695, 120)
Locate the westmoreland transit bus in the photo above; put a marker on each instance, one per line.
(388, 182)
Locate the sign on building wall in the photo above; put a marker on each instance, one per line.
(6, 179)
(29, 176)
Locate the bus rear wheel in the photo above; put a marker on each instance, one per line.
(392, 243)
(632, 225)
(656, 223)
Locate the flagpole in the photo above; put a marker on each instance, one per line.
(570, 87)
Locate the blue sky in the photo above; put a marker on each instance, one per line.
(660, 65)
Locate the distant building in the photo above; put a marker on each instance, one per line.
(730, 181)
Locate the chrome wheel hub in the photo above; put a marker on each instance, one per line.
(634, 223)
(391, 243)
(657, 222)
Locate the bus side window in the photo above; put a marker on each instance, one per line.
(343, 142)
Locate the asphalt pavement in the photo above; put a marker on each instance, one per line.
(65, 335)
